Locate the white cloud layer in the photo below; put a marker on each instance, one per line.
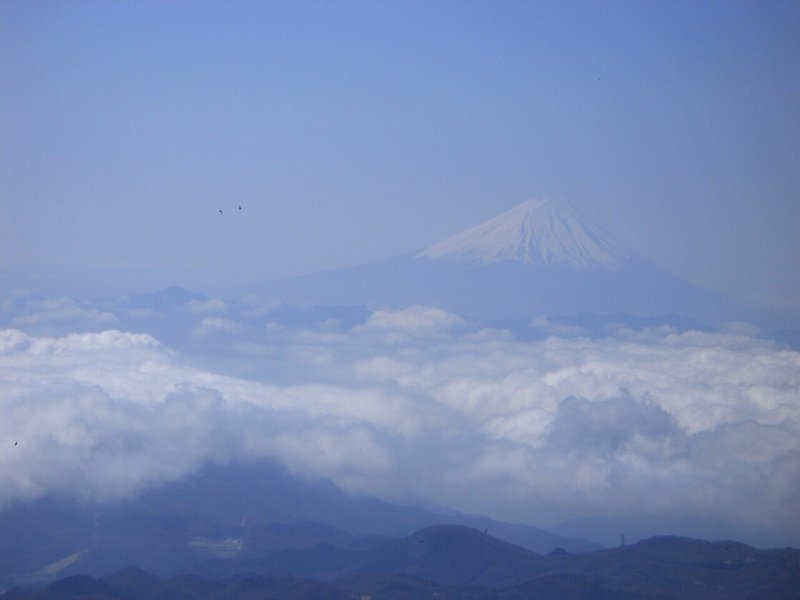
(412, 404)
(59, 311)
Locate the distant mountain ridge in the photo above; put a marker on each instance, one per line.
(540, 258)
(449, 562)
(238, 510)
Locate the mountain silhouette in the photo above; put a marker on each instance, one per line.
(450, 562)
(539, 258)
(242, 511)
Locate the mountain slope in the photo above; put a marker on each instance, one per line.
(456, 562)
(451, 554)
(220, 513)
(537, 232)
(538, 259)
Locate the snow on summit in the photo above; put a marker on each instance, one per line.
(537, 232)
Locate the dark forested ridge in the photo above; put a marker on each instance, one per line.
(220, 516)
(457, 562)
(255, 531)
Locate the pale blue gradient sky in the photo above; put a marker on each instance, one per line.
(353, 131)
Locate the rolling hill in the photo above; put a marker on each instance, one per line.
(457, 562)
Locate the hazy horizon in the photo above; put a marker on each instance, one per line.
(214, 145)
(351, 132)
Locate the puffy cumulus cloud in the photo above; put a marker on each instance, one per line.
(212, 325)
(413, 318)
(688, 426)
(654, 424)
(414, 321)
(205, 307)
(106, 414)
(40, 315)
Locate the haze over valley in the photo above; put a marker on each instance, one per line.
(373, 299)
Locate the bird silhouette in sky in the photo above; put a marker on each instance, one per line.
(239, 206)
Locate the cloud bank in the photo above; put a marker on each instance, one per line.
(415, 404)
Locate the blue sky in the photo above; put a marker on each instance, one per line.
(353, 131)
(349, 132)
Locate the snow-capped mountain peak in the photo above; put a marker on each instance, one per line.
(537, 232)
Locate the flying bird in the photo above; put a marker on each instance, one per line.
(220, 211)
